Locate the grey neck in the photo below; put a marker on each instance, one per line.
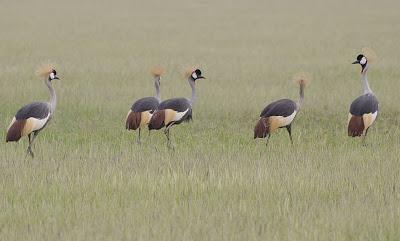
(301, 99)
(193, 86)
(157, 86)
(53, 97)
(364, 80)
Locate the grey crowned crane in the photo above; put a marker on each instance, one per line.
(141, 111)
(32, 118)
(280, 114)
(174, 111)
(364, 109)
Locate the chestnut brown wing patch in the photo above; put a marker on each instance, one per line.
(356, 126)
(157, 121)
(262, 128)
(14, 133)
(133, 120)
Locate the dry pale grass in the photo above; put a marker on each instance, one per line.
(90, 181)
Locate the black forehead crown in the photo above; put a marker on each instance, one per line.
(198, 72)
(54, 71)
(359, 57)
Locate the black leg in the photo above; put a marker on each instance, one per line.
(138, 140)
(167, 134)
(29, 150)
(365, 135)
(35, 134)
(268, 136)
(289, 129)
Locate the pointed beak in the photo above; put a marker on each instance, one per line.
(356, 62)
(201, 77)
(56, 77)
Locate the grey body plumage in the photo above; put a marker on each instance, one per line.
(149, 103)
(145, 104)
(364, 104)
(282, 107)
(38, 110)
(177, 104)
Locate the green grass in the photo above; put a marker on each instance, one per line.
(91, 181)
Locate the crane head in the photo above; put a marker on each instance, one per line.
(53, 75)
(196, 74)
(361, 60)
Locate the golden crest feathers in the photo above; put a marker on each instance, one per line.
(302, 78)
(188, 71)
(157, 71)
(370, 54)
(44, 70)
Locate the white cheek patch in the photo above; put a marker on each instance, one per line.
(194, 75)
(52, 75)
(363, 60)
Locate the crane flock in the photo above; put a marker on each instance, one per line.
(155, 114)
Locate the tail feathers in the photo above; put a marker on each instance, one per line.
(356, 126)
(14, 133)
(133, 120)
(261, 130)
(157, 120)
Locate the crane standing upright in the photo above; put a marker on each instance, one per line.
(32, 118)
(174, 111)
(364, 109)
(142, 110)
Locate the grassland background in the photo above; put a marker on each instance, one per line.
(90, 181)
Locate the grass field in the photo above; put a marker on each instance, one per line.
(91, 181)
